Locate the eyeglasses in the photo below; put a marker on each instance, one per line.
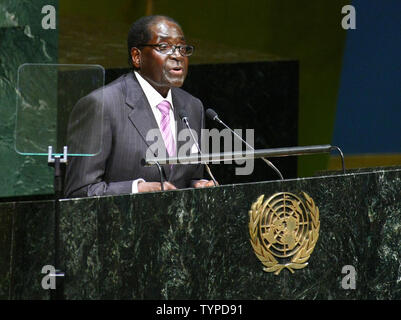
(165, 48)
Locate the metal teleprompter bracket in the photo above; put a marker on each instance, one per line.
(51, 158)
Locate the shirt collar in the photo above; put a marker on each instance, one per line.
(154, 97)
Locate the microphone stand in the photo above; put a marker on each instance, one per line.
(57, 161)
(200, 152)
(271, 165)
(161, 175)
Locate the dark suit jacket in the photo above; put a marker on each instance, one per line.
(127, 118)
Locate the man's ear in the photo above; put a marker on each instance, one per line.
(136, 57)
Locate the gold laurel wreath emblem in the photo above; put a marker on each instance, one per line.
(300, 258)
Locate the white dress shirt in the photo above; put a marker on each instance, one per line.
(154, 98)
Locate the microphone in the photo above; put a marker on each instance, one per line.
(211, 114)
(184, 118)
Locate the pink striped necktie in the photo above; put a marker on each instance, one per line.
(165, 128)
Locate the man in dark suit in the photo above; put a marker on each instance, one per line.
(148, 98)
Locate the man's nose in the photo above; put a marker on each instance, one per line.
(176, 52)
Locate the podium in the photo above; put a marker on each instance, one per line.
(195, 243)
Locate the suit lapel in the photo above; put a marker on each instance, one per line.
(141, 115)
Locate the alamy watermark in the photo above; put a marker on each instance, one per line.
(51, 274)
(49, 18)
(49, 280)
(211, 142)
(349, 20)
(349, 280)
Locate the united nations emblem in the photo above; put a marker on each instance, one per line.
(284, 231)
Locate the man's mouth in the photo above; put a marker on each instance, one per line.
(177, 70)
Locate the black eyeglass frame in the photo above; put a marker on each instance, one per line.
(173, 48)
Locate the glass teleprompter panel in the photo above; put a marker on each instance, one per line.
(53, 109)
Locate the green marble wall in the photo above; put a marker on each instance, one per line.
(22, 40)
(26, 245)
(194, 244)
(6, 225)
